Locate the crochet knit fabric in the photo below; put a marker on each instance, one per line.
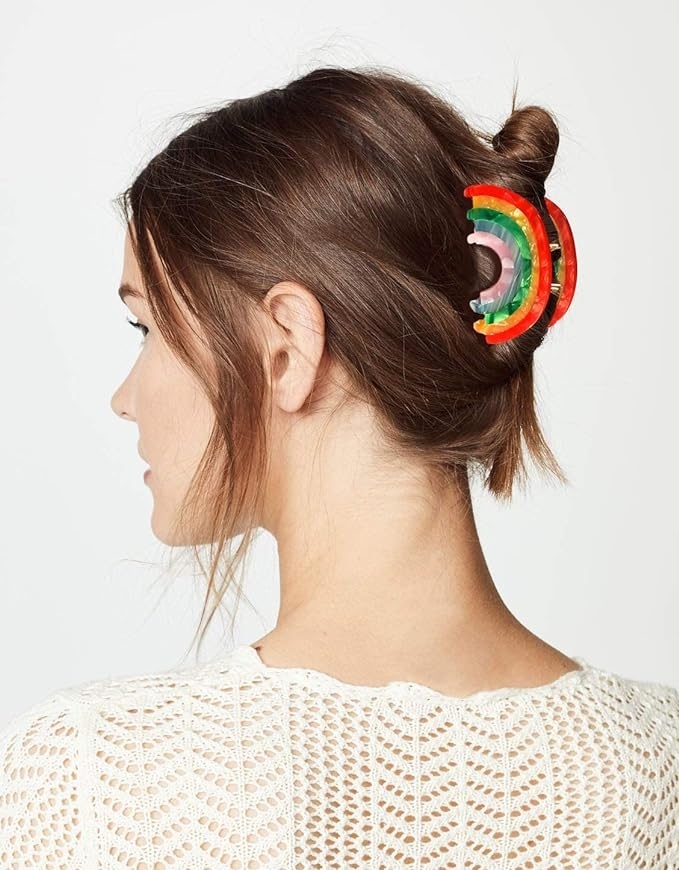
(238, 764)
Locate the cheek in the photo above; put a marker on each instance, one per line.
(181, 426)
(154, 415)
(191, 419)
(175, 418)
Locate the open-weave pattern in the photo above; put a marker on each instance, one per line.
(239, 765)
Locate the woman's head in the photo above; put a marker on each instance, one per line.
(334, 205)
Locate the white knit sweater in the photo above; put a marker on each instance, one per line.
(238, 764)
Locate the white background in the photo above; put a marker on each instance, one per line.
(87, 92)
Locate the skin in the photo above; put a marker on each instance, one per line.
(166, 402)
(381, 577)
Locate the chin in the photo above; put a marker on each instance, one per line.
(168, 534)
(165, 530)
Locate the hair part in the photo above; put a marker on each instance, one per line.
(350, 182)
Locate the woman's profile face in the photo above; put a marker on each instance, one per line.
(165, 401)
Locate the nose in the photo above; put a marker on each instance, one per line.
(119, 405)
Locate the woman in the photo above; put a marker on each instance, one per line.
(300, 266)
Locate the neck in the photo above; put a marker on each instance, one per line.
(389, 573)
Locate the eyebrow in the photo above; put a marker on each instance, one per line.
(126, 289)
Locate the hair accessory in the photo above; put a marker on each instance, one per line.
(531, 267)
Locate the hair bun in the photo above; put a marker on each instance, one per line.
(530, 137)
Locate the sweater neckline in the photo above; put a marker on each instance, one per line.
(249, 656)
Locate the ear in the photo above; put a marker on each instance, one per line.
(295, 335)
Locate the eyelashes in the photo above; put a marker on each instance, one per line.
(140, 326)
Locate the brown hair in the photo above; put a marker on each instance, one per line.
(349, 181)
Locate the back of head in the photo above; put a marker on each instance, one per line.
(351, 182)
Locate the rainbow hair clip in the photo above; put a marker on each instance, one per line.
(512, 227)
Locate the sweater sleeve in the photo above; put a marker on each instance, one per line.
(41, 788)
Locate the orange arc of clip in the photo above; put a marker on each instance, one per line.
(567, 272)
